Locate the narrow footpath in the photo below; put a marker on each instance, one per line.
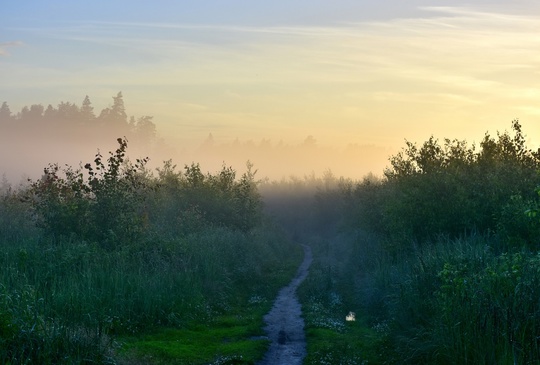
(284, 322)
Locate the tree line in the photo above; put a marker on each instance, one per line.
(454, 189)
(68, 119)
(441, 254)
(111, 249)
(114, 201)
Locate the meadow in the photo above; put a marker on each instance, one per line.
(438, 259)
(111, 263)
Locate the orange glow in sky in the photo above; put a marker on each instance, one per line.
(356, 77)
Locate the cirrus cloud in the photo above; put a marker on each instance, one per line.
(5, 45)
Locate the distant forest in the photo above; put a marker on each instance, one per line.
(68, 120)
(111, 262)
(37, 135)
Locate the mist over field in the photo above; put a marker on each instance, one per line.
(358, 78)
(284, 182)
(33, 137)
(128, 262)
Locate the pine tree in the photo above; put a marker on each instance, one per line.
(87, 111)
(146, 129)
(50, 113)
(5, 112)
(118, 110)
(68, 111)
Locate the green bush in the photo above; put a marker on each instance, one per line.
(115, 203)
(468, 307)
(28, 335)
(81, 295)
(121, 252)
(104, 206)
(15, 215)
(442, 253)
(451, 189)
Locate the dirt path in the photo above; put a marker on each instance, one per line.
(284, 322)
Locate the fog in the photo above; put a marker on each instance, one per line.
(278, 160)
(25, 156)
(69, 134)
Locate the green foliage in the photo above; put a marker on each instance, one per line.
(472, 307)
(82, 296)
(227, 340)
(109, 250)
(454, 301)
(117, 202)
(118, 190)
(450, 189)
(104, 264)
(516, 225)
(15, 216)
(28, 336)
(327, 295)
(191, 201)
(533, 210)
(440, 257)
(102, 207)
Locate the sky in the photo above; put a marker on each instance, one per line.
(348, 73)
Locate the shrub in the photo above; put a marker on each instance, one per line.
(104, 206)
(450, 189)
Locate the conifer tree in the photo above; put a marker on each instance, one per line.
(5, 112)
(118, 110)
(87, 110)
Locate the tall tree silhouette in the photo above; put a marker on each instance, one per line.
(50, 113)
(35, 113)
(5, 112)
(145, 129)
(68, 111)
(115, 118)
(87, 111)
(118, 110)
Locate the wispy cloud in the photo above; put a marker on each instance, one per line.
(450, 58)
(5, 45)
(461, 48)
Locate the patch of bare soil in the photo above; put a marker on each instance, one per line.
(284, 322)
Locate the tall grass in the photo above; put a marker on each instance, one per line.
(452, 275)
(66, 295)
(459, 302)
(78, 289)
(328, 295)
(453, 301)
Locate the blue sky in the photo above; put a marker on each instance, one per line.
(363, 72)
